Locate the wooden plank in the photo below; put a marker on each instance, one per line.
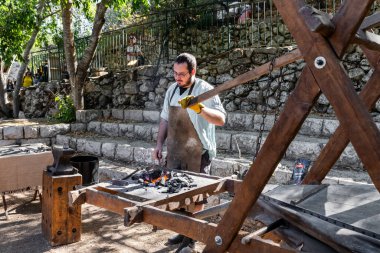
(200, 230)
(349, 108)
(295, 111)
(211, 189)
(283, 132)
(108, 201)
(339, 140)
(317, 21)
(61, 224)
(369, 40)
(347, 21)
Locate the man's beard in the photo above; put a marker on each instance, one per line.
(188, 83)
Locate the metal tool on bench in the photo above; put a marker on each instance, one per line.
(62, 165)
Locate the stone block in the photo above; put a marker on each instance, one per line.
(124, 152)
(86, 116)
(349, 157)
(143, 155)
(223, 167)
(134, 115)
(31, 132)
(240, 121)
(48, 131)
(108, 150)
(107, 114)
(66, 140)
(155, 132)
(110, 129)
(93, 147)
(245, 142)
(46, 141)
(304, 149)
(78, 127)
(329, 127)
(151, 116)
(126, 130)
(118, 114)
(62, 140)
(7, 142)
(312, 127)
(143, 132)
(94, 126)
(13, 132)
(268, 122)
(223, 140)
(81, 145)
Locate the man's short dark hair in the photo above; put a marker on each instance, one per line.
(187, 58)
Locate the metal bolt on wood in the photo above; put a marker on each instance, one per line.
(320, 62)
(218, 240)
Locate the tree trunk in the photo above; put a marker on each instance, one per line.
(69, 47)
(3, 106)
(78, 72)
(26, 59)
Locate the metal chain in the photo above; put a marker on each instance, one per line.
(265, 108)
(280, 80)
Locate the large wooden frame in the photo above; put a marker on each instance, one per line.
(322, 43)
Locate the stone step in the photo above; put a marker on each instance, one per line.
(243, 142)
(313, 126)
(139, 151)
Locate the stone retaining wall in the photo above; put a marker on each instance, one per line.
(145, 88)
(26, 134)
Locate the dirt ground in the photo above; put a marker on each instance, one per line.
(102, 231)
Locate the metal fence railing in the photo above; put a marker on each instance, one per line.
(203, 30)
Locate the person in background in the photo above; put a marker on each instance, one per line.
(133, 52)
(27, 81)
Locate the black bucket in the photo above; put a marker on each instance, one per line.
(88, 167)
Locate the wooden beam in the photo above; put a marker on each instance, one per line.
(248, 238)
(370, 21)
(347, 21)
(317, 21)
(339, 140)
(350, 110)
(77, 197)
(200, 230)
(248, 76)
(368, 39)
(211, 189)
(215, 210)
(295, 111)
(108, 201)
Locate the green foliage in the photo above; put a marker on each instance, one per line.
(66, 109)
(16, 24)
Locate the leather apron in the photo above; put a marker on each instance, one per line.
(183, 144)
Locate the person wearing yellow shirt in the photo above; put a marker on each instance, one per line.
(28, 80)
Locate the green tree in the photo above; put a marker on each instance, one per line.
(20, 23)
(78, 69)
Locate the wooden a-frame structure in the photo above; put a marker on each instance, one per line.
(322, 43)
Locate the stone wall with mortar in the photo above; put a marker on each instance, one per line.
(144, 87)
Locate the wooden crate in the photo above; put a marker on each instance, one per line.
(61, 224)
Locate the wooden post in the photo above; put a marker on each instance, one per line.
(61, 224)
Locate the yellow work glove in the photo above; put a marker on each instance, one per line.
(195, 107)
